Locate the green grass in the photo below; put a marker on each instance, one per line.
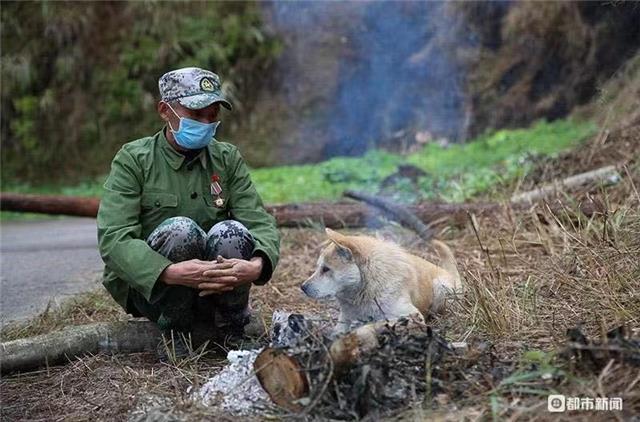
(89, 187)
(453, 173)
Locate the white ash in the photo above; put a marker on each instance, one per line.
(236, 389)
(152, 408)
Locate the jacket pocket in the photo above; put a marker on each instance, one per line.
(151, 200)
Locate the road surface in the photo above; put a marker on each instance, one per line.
(45, 261)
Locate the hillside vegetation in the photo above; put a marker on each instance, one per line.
(543, 59)
(459, 69)
(79, 79)
(453, 172)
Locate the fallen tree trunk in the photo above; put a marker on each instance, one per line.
(50, 204)
(332, 215)
(60, 346)
(349, 214)
(340, 214)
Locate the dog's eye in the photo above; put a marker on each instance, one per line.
(325, 269)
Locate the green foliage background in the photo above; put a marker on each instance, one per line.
(79, 79)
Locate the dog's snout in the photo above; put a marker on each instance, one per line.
(308, 289)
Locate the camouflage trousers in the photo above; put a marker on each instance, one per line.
(179, 308)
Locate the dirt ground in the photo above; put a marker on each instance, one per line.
(530, 276)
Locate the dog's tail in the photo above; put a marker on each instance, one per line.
(448, 262)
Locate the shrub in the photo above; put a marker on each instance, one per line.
(80, 79)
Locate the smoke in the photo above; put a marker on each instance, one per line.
(360, 73)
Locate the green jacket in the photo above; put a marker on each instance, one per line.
(150, 182)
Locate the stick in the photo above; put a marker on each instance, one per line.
(398, 213)
(603, 176)
(60, 346)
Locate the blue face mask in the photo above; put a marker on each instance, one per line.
(192, 134)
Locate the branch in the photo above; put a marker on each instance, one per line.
(60, 346)
(397, 212)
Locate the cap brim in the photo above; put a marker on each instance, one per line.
(196, 102)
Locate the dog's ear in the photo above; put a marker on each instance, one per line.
(344, 252)
(335, 236)
(343, 245)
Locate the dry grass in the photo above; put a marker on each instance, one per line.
(526, 274)
(104, 388)
(84, 308)
(546, 58)
(530, 277)
(618, 100)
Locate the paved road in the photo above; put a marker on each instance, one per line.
(43, 261)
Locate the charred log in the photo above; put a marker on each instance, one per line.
(298, 377)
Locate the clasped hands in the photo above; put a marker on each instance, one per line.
(213, 277)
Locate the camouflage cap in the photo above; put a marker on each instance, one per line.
(192, 87)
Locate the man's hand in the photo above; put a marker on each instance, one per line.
(230, 273)
(191, 274)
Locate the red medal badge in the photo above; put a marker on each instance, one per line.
(216, 191)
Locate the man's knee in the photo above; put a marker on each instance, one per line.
(230, 239)
(178, 238)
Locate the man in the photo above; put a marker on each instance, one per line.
(181, 229)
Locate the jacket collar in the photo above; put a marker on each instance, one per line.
(173, 157)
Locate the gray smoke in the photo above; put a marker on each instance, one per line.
(360, 72)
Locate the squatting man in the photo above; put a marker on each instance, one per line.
(181, 229)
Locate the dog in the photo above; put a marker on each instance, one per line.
(375, 280)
